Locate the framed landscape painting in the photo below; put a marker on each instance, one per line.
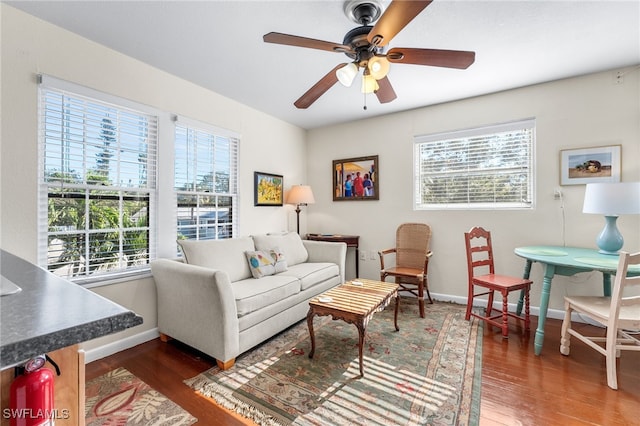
(590, 165)
(268, 189)
(356, 179)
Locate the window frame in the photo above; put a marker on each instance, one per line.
(162, 199)
(467, 137)
(88, 192)
(216, 135)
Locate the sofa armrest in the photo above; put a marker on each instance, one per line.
(196, 306)
(324, 251)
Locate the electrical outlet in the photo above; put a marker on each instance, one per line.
(373, 255)
(557, 194)
(363, 255)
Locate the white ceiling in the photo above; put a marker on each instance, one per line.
(218, 45)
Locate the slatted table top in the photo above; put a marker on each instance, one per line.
(356, 299)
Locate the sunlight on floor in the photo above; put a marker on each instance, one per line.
(343, 401)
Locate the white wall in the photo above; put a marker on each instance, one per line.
(31, 46)
(575, 113)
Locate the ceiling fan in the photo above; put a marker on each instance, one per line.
(365, 45)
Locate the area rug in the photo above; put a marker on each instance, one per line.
(428, 373)
(120, 398)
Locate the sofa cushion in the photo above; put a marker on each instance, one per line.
(290, 244)
(311, 274)
(252, 295)
(225, 255)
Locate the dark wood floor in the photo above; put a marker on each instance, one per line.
(518, 388)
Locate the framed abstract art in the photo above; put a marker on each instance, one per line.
(268, 189)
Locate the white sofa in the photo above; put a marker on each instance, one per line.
(211, 301)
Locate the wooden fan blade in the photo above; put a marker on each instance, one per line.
(318, 89)
(291, 40)
(394, 19)
(461, 59)
(385, 93)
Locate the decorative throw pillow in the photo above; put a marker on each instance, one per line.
(261, 263)
(280, 263)
(290, 244)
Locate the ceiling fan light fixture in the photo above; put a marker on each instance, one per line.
(369, 84)
(378, 67)
(365, 46)
(347, 74)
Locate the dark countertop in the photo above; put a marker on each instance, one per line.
(50, 313)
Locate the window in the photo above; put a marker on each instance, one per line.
(205, 184)
(484, 168)
(97, 184)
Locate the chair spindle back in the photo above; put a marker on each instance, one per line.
(480, 252)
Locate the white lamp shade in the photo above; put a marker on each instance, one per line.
(612, 199)
(300, 194)
(378, 67)
(347, 73)
(369, 84)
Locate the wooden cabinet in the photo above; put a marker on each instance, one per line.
(68, 390)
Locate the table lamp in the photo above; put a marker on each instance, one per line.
(300, 195)
(611, 200)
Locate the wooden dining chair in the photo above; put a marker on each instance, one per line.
(617, 313)
(481, 272)
(412, 256)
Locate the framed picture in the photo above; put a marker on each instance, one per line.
(268, 189)
(356, 179)
(590, 165)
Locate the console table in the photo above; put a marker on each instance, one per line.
(349, 240)
(565, 261)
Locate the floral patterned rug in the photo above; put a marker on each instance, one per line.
(118, 398)
(428, 373)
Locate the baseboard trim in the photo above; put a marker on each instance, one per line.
(120, 345)
(534, 310)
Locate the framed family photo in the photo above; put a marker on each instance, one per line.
(356, 179)
(590, 165)
(268, 189)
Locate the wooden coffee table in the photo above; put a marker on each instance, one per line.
(354, 304)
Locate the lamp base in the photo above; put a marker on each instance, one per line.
(610, 239)
(298, 218)
(611, 253)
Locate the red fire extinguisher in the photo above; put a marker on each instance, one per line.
(31, 394)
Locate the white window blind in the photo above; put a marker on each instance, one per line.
(484, 168)
(206, 182)
(97, 185)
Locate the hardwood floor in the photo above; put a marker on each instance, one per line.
(518, 388)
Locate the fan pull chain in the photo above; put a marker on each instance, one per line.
(364, 101)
